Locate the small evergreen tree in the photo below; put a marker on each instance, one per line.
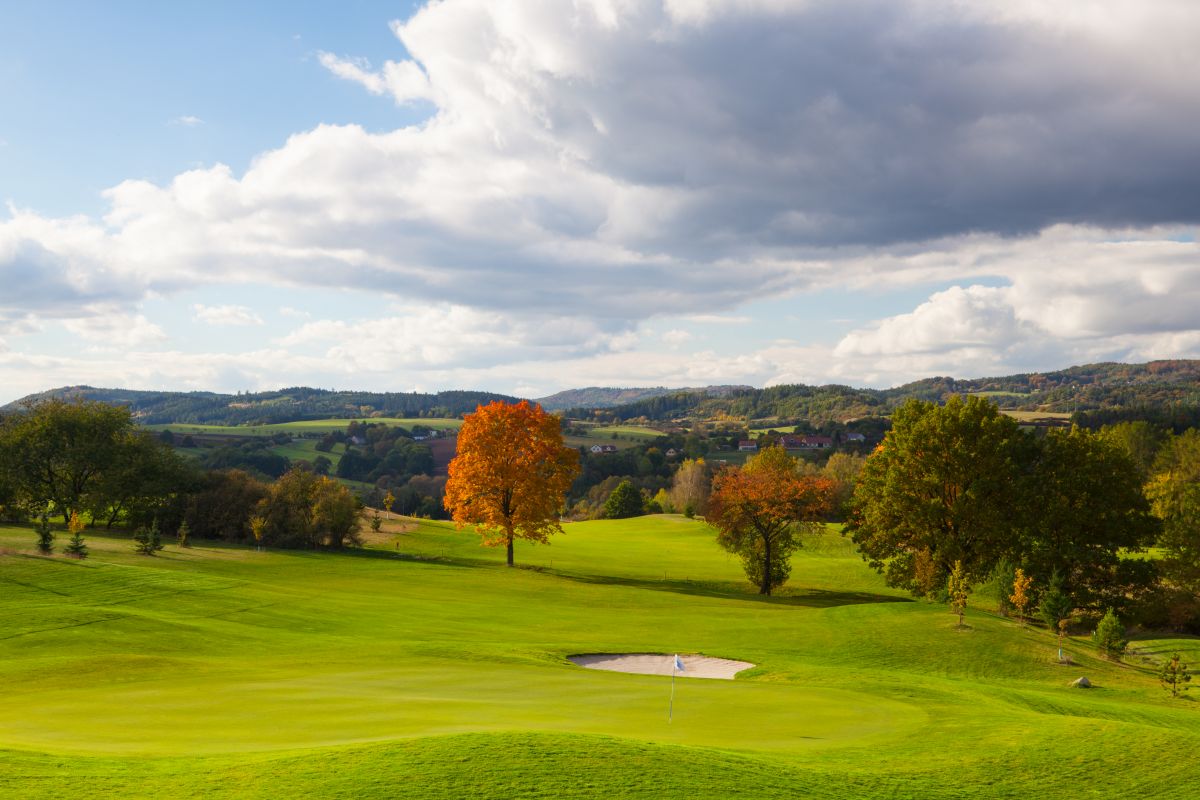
(1175, 676)
(45, 536)
(76, 547)
(958, 589)
(182, 534)
(1110, 636)
(376, 522)
(149, 541)
(1056, 604)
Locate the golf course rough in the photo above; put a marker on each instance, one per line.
(421, 667)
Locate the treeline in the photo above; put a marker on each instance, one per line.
(87, 459)
(1155, 387)
(958, 494)
(263, 408)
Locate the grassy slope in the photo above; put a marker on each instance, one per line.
(423, 668)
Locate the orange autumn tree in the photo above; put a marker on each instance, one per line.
(511, 474)
(760, 510)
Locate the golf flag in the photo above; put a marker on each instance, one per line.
(679, 663)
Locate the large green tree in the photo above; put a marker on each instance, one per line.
(1085, 508)
(941, 488)
(302, 509)
(56, 452)
(625, 501)
(1175, 494)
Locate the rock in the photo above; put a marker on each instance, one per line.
(1081, 683)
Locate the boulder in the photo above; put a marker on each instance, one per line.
(1081, 683)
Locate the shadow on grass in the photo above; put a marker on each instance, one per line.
(808, 598)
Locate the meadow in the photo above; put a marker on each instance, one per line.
(312, 427)
(421, 667)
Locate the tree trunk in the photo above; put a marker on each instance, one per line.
(766, 580)
(510, 550)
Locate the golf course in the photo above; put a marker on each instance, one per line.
(420, 666)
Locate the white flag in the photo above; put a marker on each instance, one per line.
(679, 663)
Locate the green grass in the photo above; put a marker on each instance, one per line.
(422, 667)
(1027, 416)
(315, 426)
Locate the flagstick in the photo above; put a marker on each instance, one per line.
(671, 707)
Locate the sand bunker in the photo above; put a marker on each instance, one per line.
(658, 664)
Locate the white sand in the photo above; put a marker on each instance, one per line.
(657, 664)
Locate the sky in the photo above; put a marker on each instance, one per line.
(530, 195)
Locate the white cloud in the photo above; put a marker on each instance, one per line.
(676, 337)
(110, 328)
(403, 80)
(288, 311)
(187, 121)
(226, 315)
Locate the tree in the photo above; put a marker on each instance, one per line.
(222, 506)
(1110, 636)
(1020, 592)
(510, 475)
(690, 487)
(1085, 512)
(302, 509)
(45, 536)
(1175, 676)
(1174, 493)
(56, 451)
(625, 501)
(958, 589)
(258, 528)
(388, 501)
(76, 546)
(843, 469)
(939, 489)
(758, 511)
(149, 540)
(182, 534)
(1056, 605)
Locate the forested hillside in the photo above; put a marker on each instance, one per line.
(607, 397)
(284, 405)
(1164, 390)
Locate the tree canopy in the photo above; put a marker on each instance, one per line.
(510, 474)
(941, 488)
(759, 510)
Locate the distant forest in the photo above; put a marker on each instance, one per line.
(265, 408)
(1164, 392)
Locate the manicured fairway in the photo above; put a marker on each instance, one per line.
(424, 668)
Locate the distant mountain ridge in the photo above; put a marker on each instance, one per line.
(1165, 390)
(608, 397)
(261, 408)
(1160, 389)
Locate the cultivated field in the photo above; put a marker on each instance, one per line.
(311, 427)
(423, 668)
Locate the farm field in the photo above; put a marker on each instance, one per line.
(421, 667)
(314, 426)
